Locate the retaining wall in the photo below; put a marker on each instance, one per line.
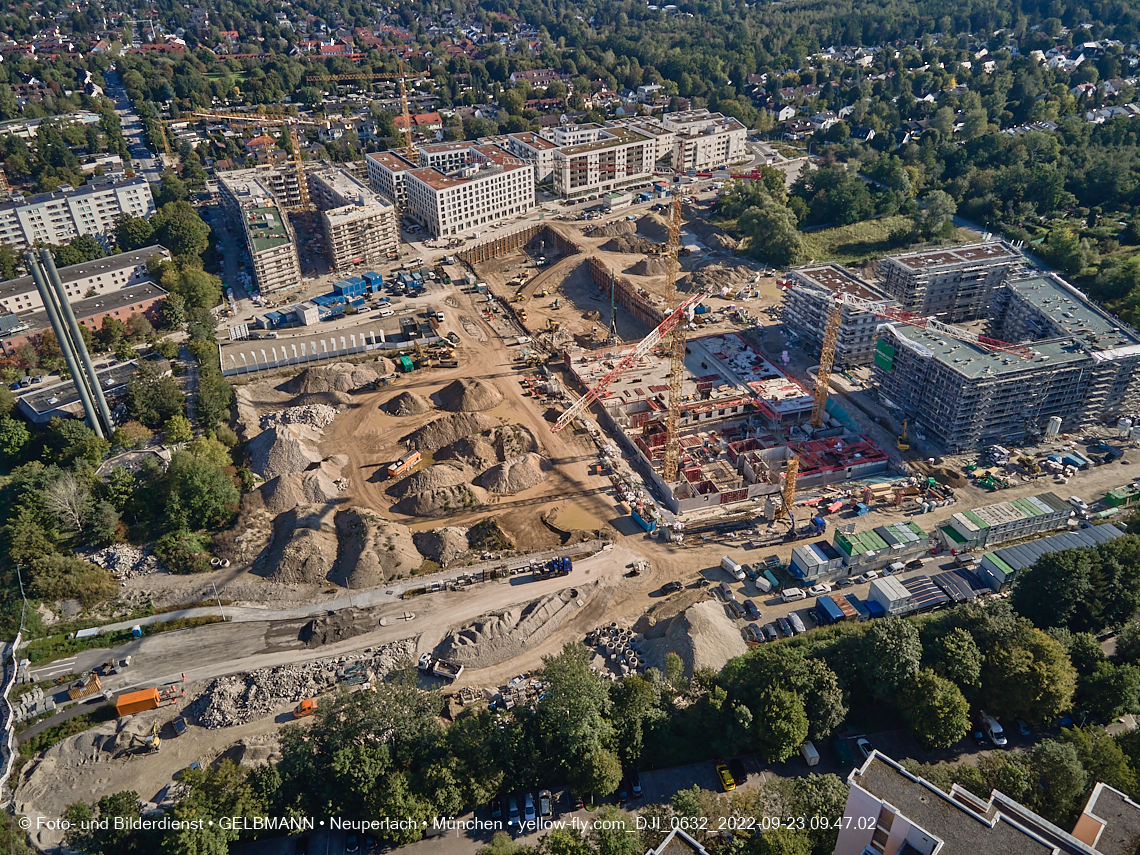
(626, 294)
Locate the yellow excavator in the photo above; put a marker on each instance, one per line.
(902, 442)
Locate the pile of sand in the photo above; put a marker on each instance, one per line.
(652, 266)
(653, 227)
(283, 449)
(431, 478)
(704, 636)
(503, 635)
(629, 243)
(713, 277)
(621, 227)
(470, 396)
(337, 377)
(516, 474)
(303, 547)
(478, 451)
(447, 429)
(407, 404)
(722, 241)
(372, 550)
(442, 545)
(445, 500)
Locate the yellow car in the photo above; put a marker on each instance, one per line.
(726, 779)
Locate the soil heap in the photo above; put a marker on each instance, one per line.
(338, 377)
(447, 429)
(470, 396)
(303, 547)
(431, 478)
(407, 404)
(703, 636)
(629, 243)
(371, 550)
(442, 545)
(445, 500)
(652, 266)
(621, 227)
(283, 449)
(313, 415)
(517, 474)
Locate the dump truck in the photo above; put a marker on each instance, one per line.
(306, 707)
(129, 703)
(88, 685)
(447, 670)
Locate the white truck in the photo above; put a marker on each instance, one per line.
(732, 568)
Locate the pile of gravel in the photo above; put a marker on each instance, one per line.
(652, 266)
(470, 396)
(621, 227)
(338, 377)
(516, 474)
(431, 478)
(445, 500)
(407, 404)
(242, 698)
(313, 415)
(629, 243)
(442, 545)
(702, 635)
(447, 429)
(283, 449)
(126, 561)
(371, 550)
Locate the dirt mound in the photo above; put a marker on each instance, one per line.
(302, 549)
(470, 396)
(722, 241)
(283, 493)
(653, 227)
(337, 626)
(314, 487)
(621, 227)
(720, 275)
(478, 451)
(331, 399)
(491, 446)
(516, 474)
(323, 484)
(502, 635)
(629, 243)
(283, 449)
(442, 545)
(703, 636)
(432, 478)
(407, 404)
(372, 550)
(652, 266)
(338, 377)
(513, 440)
(445, 500)
(447, 429)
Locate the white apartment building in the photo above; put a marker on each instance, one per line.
(387, 172)
(445, 156)
(605, 160)
(492, 188)
(92, 209)
(650, 127)
(534, 149)
(705, 140)
(88, 279)
(269, 237)
(360, 227)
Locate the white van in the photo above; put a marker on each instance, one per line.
(386, 313)
(729, 596)
(993, 729)
(790, 595)
(732, 568)
(810, 754)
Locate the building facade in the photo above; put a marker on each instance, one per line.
(387, 174)
(360, 227)
(704, 140)
(809, 294)
(56, 218)
(605, 160)
(954, 284)
(251, 206)
(445, 156)
(493, 188)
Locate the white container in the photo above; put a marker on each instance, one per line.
(810, 754)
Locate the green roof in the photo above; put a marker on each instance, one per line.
(1027, 507)
(266, 228)
(859, 542)
(1001, 565)
(975, 519)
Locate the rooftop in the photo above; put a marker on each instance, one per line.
(612, 138)
(63, 395)
(533, 140)
(444, 147)
(391, 161)
(1072, 312)
(96, 305)
(1113, 820)
(970, 253)
(973, 361)
(266, 228)
(93, 185)
(831, 277)
(247, 188)
(1022, 555)
(74, 272)
(1012, 511)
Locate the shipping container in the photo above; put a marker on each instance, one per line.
(828, 611)
(133, 702)
(649, 525)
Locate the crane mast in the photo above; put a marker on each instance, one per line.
(676, 348)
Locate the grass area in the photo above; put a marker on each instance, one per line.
(49, 737)
(855, 243)
(44, 650)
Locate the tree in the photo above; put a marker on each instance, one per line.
(955, 655)
(139, 327)
(1027, 675)
(57, 577)
(177, 429)
(783, 841)
(615, 833)
(890, 656)
(68, 499)
(1109, 691)
(116, 837)
(133, 233)
(69, 440)
(179, 228)
(153, 398)
(937, 215)
(938, 713)
(172, 190)
(7, 401)
(561, 841)
(203, 492)
(1128, 643)
(111, 331)
(1057, 780)
(783, 727)
(771, 235)
(1102, 758)
(173, 312)
(14, 437)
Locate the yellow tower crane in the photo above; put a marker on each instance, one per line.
(276, 121)
(788, 494)
(672, 461)
(826, 360)
(411, 153)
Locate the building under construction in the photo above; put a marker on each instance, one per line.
(809, 293)
(252, 206)
(736, 424)
(953, 284)
(1079, 365)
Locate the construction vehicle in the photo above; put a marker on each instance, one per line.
(520, 297)
(902, 442)
(1031, 465)
(553, 325)
(305, 708)
(522, 315)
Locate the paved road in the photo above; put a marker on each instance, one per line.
(144, 160)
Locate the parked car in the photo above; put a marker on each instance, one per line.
(843, 583)
(496, 808)
(791, 595)
(797, 623)
(864, 746)
(770, 632)
(351, 843)
(671, 587)
(753, 632)
(1078, 503)
(1023, 727)
(980, 738)
(868, 576)
(623, 792)
(751, 610)
(544, 802)
(513, 812)
(737, 768)
(528, 808)
(635, 788)
(726, 779)
(785, 627)
(575, 800)
(819, 590)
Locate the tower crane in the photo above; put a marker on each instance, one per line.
(788, 493)
(826, 360)
(412, 154)
(289, 122)
(672, 460)
(641, 349)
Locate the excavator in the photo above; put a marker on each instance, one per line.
(902, 442)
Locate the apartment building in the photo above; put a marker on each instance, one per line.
(492, 188)
(961, 394)
(649, 127)
(281, 181)
(954, 284)
(92, 209)
(809, 294)
(360, 227)
(445, 156)
(891, 811)
(598, 160)
(387, 173)
(704, 140)
(251, 206)
(83, 281)
(535, 149)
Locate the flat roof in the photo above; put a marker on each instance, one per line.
(266, 227)
(833, 278)
(533, 140)
(1072, 312)
(969, 253)
(444, 147)
(74, 272)
(973, 361)
(1121, 818)
(614, 138)
(93, 185)
(63, 394)
(92, 306)
(392, 161)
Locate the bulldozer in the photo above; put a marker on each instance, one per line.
(520, 297)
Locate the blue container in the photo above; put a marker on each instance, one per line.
(648, 526)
